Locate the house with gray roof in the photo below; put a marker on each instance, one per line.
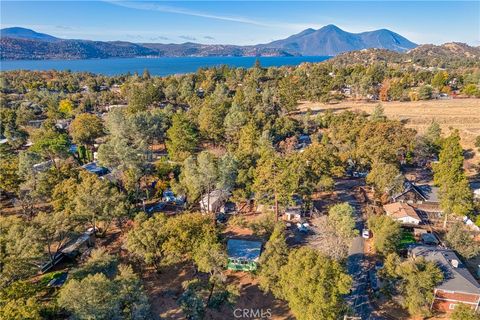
(459, 285)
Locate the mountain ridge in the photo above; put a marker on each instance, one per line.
(20, 43)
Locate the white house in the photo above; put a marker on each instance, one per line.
(215, 201)
(402, 212)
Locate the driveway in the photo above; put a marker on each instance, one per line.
(357, 265)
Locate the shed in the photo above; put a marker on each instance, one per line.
(214, 201)
(92, 167)
(243, 254)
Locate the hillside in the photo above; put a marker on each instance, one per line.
(20, 43)
(428, 55)
(23, 33)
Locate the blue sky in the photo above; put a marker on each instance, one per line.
(242, 22)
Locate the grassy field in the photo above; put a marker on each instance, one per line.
(461, 114)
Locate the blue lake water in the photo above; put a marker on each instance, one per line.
(156, 66)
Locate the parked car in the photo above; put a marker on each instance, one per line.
(366, 234)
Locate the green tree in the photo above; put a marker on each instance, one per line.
(341, 218)
(471, 90)
(385, 178)
(21, 309)
(378, 113)
(146, 239)
(274, 180)
(9, 178)
(459, 239)
(416, 280)
(50, 144)
(440, 80)
(386, 233)
(425, 92)
(313, 285)
(96, 201)
(54, 230)
(20, 249)
(464, 312)
(98, 296)
(85, 128)
(182, 139)
(455, 194)
(93, 297)
(272, 259)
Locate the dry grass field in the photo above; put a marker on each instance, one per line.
(461, 114)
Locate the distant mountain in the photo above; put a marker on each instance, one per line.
(331, 40)
(20, 43)
(23, 33)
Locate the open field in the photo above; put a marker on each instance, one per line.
(461, 114)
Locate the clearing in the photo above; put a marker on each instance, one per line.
(461, 114)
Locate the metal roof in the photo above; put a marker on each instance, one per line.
(456, 278)
(244, 249)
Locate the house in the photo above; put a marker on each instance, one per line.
(417, 194)
(214, 201)
(458, 287)
(92, 167)
(402, 212)
(293, 214)
(243, 254)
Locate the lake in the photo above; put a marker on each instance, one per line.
(157, 66)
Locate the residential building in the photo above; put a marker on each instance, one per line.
(458, 287)
(215, 201)
(402, 212)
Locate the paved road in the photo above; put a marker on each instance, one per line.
(357, 265)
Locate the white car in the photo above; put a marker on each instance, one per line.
(366, 233)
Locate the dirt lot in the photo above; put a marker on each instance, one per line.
(462, 114)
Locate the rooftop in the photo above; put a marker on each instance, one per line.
(457, 276)
(400, 210)
(244, 249)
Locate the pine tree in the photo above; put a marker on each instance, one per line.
(455, 194)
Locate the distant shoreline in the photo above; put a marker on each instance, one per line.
(159, 66)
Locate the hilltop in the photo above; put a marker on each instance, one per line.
(20, 43)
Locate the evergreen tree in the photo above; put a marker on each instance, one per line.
(273, 258)
(455, 194)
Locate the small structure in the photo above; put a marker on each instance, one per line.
(304, 141)
(429, 239)
(169, 197)
(58, 281)
(418, 194)
(293, 214)
(476, 194)
(42, 166)
(81, 244)
(458, 287)
(92, 167)
(214, 201)
(402, 212)
(243, 255)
